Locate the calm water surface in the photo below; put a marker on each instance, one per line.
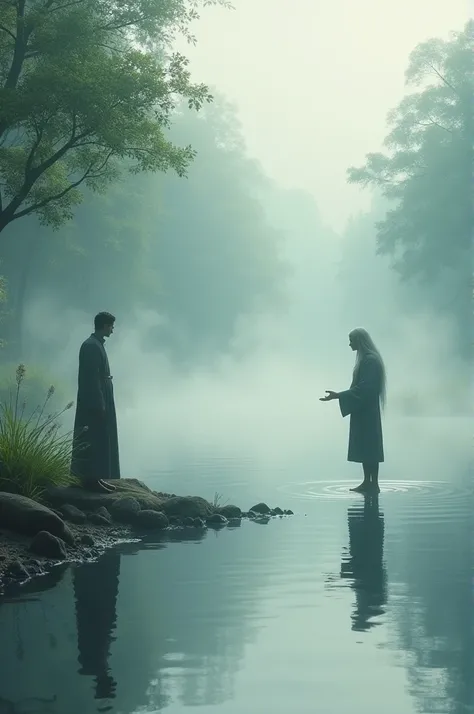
(349, 606)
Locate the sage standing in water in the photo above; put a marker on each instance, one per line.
(95, 447)
(363, 401)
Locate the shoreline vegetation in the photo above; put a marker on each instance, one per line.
(46, 518)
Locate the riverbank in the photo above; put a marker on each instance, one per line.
(74, 525)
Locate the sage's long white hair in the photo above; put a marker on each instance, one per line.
(365, 346)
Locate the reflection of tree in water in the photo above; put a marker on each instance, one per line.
(364, 564)
(435, 619)
(96, 591)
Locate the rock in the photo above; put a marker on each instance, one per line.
(87, 540)
(187, 506)
(235, 522)
(199, 523)
(97, 520)
(34, 567)
(73, 514)
(125, 509)
(23, 515)
(102, 511)
(230, 512)
(262, 509)
(252, 514)
(17, 571)
(89, 501)
(188, 522)
(288, 513)
(276, 512)
(217, 520)
(150, 520)
(48, 546)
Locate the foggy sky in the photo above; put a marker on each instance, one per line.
(313, 81)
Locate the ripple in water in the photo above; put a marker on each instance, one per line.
(334, 490)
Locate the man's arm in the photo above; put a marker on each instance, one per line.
(89, 368)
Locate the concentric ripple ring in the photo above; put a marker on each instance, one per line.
(309, 490)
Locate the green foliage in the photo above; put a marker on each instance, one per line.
(34, 454)
(426, 172)
(200, 252)
(85, 86)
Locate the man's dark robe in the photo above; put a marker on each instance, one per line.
(96, 452)
(362, 402)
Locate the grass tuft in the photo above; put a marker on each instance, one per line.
(34, 452)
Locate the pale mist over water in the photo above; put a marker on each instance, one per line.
(261, 399)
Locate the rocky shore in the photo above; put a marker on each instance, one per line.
(74, 525)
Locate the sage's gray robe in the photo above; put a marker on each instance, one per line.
(362, 402)
(95, 450)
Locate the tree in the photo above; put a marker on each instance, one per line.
(215, 254)
(199, 252)
(84, 87)
(426, 173)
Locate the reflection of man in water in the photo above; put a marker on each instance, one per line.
(96, 590)
(365, 562)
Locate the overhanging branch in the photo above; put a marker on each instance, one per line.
(8, 32)
(93, 172)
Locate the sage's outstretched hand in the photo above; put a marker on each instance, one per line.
(329, 396)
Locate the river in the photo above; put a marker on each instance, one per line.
(351, 605)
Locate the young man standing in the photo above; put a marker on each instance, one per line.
(95, 447)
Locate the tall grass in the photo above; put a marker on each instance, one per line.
(217, 502)
(34, 453)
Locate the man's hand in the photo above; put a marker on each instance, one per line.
(329, 396)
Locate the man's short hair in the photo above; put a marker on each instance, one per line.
(102, 319)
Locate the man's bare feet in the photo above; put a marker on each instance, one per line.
(362, 488)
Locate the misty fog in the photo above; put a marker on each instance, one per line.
(326, 194)
(235, 288)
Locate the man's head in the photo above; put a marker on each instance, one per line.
(104, 324)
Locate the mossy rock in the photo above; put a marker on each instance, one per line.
(187, 507)
(89, 501)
